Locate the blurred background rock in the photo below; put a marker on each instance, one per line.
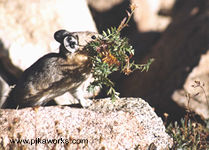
(174, 32)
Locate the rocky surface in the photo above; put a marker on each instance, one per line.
(128, 123)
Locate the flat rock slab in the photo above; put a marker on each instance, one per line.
(127, 123)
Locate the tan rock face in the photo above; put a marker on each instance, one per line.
(27, 27)
(147, 14)
(127, 123)
(199, 73)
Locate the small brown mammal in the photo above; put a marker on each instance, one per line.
(55, 73)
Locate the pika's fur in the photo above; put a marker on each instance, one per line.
(55, 73)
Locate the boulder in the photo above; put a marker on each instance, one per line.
(126, 123)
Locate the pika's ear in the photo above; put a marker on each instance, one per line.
(60, 35)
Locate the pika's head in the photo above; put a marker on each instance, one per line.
(73, 41)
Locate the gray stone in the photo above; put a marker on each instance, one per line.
(127, 123)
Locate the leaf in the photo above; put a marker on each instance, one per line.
(128, 13)
(104, 33)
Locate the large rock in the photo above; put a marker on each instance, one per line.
(127, 123)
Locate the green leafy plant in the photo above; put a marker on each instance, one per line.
(189, 134)
(111, 53)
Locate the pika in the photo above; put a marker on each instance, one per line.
(55, 73)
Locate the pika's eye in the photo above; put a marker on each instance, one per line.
(70, 43)
(93, 37)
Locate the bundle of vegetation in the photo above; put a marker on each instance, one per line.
(111, 53)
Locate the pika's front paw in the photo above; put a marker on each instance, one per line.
(85, 102)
